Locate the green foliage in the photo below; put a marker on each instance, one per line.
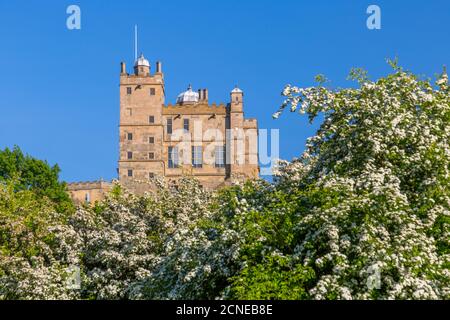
(30, 252)
(24, 222)
(28, 173)
(274, 278)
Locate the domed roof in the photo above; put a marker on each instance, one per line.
(141, 61)
(236, 90)
(187, 96)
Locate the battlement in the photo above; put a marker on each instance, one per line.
(250, 123)
(135, 80)
(88, 185)
(197, 108)
(88, 191)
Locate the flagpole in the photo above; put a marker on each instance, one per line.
(135, 42)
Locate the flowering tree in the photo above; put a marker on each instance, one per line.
(181, 270)
(375, 188)
(240, 248)
(262, 218)
(126, 237)
(363, 213)
(36, 247)
(117, 245)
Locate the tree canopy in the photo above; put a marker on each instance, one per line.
(29, 173)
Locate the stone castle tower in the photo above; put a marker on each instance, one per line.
(212, 142)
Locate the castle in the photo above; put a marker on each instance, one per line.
(214, 143)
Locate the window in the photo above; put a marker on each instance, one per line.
(197, 159)
(220, 157)
(130, 111)
(87, 198)
(130, 136)
(151, 175)
(186, 125)
(152, 91)
(130, 155)
(130, 172)
(151, 140)
(151, 119)
(128, 90)
(151, 155)
(169, 126)
(173, 157)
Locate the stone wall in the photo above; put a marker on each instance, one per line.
(88, 192)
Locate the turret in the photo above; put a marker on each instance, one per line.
(237, 100)
(142, 67)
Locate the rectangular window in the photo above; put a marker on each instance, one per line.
(173, 157)
(151, 175)
(220, 157)
(130, 136)
(128, 90)
(130, 172)
(130, 111)
(169, 126)
(152, 91)
(151, 140)
(186, 125)
(151, 155)
(197, 156)
(130, 155)
(151, 119)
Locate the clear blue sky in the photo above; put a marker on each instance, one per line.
(59, 88)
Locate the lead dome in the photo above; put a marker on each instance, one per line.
(188, 96)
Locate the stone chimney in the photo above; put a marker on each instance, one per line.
(158, 67)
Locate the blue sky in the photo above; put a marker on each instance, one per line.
(59, 88)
